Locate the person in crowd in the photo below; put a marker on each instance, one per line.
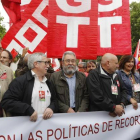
(22, 66)
(6, 58)
(6, 76)
(91, 65)
(50, 69)
(60, 61)
(31, 94)
(130, 78)
(82, 66)
(106, 90)
(70, 86)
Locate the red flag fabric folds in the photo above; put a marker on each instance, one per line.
(12, 7)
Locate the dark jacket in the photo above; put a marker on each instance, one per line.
(127, 82)
(100, 93)
(17, 99)
(62, 89)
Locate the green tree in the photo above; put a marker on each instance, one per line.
(2, 28)
(135, 24)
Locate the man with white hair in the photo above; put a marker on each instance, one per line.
(31, 94)
(106, 89)
(70, 86)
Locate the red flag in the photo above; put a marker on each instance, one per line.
(137, 55)
(114, 34)
(14, 53)
(37, 24)
(24, 5)
(12, 7)
(55, 64)
(72, 25)
(31, 31)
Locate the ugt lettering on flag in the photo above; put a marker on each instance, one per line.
(72, 25)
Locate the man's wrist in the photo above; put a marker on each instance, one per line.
(122, 105)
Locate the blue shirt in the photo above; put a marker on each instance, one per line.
(71, 82)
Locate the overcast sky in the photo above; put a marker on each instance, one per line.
(6, 18)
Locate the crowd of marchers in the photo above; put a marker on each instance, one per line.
(35, 88)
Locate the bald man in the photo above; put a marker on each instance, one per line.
(107, 91)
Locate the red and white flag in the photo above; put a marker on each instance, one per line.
(24, 5)
(88, 28)
(72, 26)
(31, 31)
(137, 55)
(114, 34)
(12, 7)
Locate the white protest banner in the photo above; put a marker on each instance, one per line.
(78, 126)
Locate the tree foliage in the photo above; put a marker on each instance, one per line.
(2, 28)
(135, 24)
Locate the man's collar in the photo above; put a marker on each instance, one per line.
(67, 76)
(104, 72)
(34, 75)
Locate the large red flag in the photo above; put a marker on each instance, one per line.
(114, 34)
(72, 25)
(12, 7)
(31, 31)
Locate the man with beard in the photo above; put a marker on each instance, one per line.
(70, 86)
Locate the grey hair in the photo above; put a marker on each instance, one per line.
(34, 58)
(68, 52)
(83, 63)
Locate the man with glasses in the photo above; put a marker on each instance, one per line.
(70, 86)
(82, 66)
(31, 94)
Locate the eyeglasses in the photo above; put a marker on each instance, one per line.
(70, 60)
(45, 62)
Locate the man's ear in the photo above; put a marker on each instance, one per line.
(107, 63)
(35, 64)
